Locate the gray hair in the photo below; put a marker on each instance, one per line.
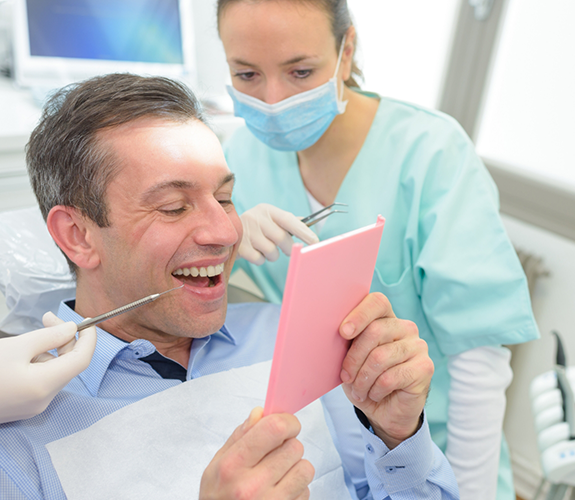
(68, 163)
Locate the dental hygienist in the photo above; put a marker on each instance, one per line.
(30, 376)
(445, 262)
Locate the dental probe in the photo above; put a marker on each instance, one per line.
(121, 310)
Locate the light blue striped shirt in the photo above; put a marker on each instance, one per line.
(117, 377)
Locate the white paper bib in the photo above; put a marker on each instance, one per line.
(160, 446)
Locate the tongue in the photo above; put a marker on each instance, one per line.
(199, 281)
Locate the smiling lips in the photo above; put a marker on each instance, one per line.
(200, 276)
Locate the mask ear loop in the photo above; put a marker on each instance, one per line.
(339, 58)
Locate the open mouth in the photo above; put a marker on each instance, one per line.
(203, 277)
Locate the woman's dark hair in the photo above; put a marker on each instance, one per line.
(339, 16)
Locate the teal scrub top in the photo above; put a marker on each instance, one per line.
(445, 261)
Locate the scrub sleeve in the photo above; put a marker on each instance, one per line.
(445, 260)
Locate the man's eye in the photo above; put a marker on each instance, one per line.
(227, 204)
(173, 211)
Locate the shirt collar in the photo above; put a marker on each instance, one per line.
(224, 333)
(108, 347)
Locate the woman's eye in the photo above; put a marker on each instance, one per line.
(246, 76)
(302, 73)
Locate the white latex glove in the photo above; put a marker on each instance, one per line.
(266, 228)
(30, 377)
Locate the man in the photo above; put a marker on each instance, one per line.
(136, 193)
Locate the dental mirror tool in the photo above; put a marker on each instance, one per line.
(314, 218)
(121, 310)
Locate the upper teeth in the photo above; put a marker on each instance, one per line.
(200, 271)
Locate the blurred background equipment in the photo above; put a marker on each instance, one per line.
(62, 41)
(554, 416)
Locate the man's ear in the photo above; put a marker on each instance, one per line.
(72, 232)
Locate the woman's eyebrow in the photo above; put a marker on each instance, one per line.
(241, 62)
(297, 59)
(293, 60)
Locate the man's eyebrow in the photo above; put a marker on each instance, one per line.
(227, 179)
(165, 186)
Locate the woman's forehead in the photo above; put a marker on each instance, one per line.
(278, 25)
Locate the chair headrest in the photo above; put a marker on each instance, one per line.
(34, 275)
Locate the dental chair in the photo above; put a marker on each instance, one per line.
(553, 408)
(34, 275)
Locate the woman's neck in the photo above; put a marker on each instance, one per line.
(324, 165)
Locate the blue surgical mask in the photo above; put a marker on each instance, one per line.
(296, 123)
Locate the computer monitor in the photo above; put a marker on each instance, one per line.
(57, 42)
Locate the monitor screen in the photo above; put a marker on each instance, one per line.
(60, 41)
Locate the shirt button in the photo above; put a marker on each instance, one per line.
(369, 448)
(137, 353)
(390, 469)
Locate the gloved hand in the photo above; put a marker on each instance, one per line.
(30, 377)
(266, 228)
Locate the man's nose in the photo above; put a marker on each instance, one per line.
(216, 226)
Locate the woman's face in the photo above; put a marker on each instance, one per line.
(279, 49)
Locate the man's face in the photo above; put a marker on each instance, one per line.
(171, 219)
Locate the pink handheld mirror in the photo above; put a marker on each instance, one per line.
(325, 282)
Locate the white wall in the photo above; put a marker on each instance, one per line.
(554, 308)
(211, 63)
